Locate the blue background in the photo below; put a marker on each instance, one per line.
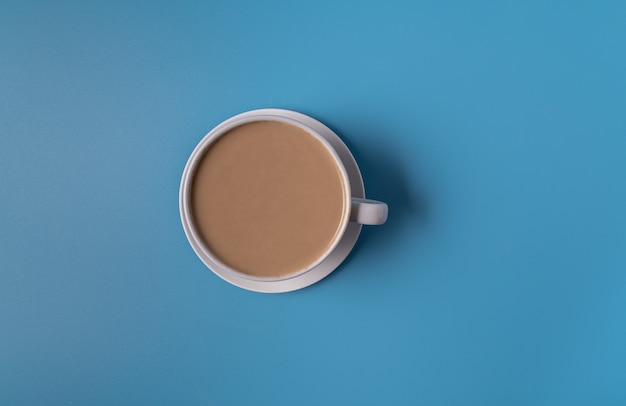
(496, 131)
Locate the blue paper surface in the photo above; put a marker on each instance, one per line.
(496, 132)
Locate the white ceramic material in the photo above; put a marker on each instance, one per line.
(361, 210)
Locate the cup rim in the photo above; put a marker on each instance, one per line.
(191, 230)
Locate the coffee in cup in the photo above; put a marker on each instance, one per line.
(266, 200)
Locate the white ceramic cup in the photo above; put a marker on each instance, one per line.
(361, 211)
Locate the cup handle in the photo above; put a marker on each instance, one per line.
(369, 212)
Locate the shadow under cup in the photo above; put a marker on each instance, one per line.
(273, 201)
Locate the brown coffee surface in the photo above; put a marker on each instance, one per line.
(268, 199)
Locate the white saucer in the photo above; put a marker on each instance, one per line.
(325, 267)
